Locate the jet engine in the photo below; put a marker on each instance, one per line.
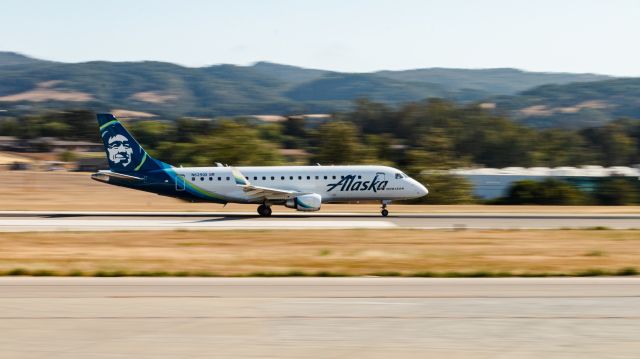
(306, 202)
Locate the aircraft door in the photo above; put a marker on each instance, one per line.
(180, 184)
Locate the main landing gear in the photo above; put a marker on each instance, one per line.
(384, 211)
(264, 210)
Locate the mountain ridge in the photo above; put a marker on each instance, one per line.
(174, 90)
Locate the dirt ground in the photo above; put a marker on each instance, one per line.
(345, 252)
(72, 191)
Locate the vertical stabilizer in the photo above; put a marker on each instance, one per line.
(124, 153)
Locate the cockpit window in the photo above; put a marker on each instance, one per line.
(399, 175)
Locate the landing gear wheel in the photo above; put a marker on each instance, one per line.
(384, 211)
(264, 211)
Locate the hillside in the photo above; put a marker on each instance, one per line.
(12, 59)
(266, 88)
(490, 81)
(574, 105)
(348, 87)
(288, 74)
(155, 87)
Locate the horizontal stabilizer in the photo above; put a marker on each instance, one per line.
(103, 176)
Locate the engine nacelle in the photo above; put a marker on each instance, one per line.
(306, 202)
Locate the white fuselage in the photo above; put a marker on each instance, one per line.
(332, 183)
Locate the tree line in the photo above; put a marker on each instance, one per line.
(427, 135)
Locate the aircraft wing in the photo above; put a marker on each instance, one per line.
(258, 191)
(268, 193)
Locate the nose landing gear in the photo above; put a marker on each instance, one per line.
(264, 210)
(384, 211)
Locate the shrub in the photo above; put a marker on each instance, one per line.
(549, 192)
(617, 192)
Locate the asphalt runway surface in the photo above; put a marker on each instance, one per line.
(24, 221)
(79, 318)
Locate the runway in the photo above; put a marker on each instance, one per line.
(319, 318)
(24, 221)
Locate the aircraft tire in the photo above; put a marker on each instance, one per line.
(384, 213)
(264, 211)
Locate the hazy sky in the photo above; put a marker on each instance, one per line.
(600, 36)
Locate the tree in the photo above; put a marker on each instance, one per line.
(372, 117)
(188, 130)
(83, 124)
(338, 143)
(618, 191)
(550, 191)
(615, 146)
(271, 132)
(229, 143)
(295, 126)
(67, 156)
(151, 133)
(446, 189)
(558, 147)
(379, 148)
(55, 129)
(438, 151)
(9, 127)
(295, 132)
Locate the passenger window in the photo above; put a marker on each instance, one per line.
(341, 177)
(334, 177)
(210, 178)
(282, 178)
(264, 178)
(272, 178)
(317, 177)
(325, 177)
(227, 178)
(299, 177)
(359, 177)
(193, 179)
(201, 178)
(255, 178)
(291, 178)
(219, 178)
(308, 177)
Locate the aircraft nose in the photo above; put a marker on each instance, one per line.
(422, 190)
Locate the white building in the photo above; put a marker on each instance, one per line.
(491, 183)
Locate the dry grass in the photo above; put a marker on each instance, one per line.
(30, 191)
(45, 91)
(8, 159)
(348, 252)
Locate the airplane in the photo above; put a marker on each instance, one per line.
(304, 188)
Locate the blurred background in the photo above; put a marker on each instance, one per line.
(508, 111)
(496, 103)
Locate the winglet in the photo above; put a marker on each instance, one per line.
(240, 179)
(105, 119)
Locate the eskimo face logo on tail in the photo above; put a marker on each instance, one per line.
(349, 183)
(120, 151)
